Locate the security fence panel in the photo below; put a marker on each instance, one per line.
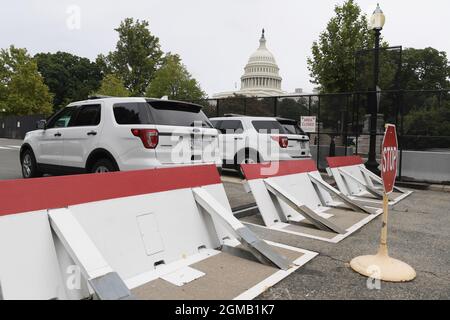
(231, 106)
(293, 107)
(209, 107)
(333, 118)
(261, 107)
(425, 136)
(390, 62)
(15, 127)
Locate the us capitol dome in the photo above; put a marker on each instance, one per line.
(261, 75)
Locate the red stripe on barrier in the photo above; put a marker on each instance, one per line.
(335, 162)
(57, 192)
(275, 169)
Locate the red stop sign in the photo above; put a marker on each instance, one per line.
(389, 156)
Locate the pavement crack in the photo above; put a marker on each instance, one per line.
(333, 258)
(435, 275)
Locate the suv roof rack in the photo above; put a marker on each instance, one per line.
(286, 120)
(234, 115)
(97, 96)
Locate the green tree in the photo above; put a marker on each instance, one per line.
(22, 89)
(173, 80)
(427, 127)
(136, 58)
(425, 113)
(332, 65)
(425, 69)
(113, 86)
(69, 77)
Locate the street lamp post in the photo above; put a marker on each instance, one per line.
(376, 23)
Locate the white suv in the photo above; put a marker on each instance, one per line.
(247, 139)
(111, 134)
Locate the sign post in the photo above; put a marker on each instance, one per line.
(382, 266)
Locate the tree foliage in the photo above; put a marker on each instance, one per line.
(173, 80)
(426, 114)
(112, 86)
(136, 58)
(425, 69)
(22, 89)
(69, 77)
(427, 127)
(332, 64)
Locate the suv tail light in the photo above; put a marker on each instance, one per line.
(282, 141)
(149, 137)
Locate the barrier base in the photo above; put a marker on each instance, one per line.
(383, 267)
(350, 220)
(226, 277)
(367, 199)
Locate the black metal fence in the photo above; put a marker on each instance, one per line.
(343, 124)
(15, 127)
(343, 120)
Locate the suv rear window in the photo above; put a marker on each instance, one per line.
(292, 128)
(131, 113)
(167, 113)
(231, 126)
(268, 126)
(171, 113)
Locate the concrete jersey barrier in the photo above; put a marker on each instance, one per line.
(150, 234)
(355, 181)
(292, 197)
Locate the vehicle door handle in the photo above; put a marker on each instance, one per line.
(92, 133)
(238, 138)
(58, 134)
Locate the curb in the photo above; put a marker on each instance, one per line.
(439, 187)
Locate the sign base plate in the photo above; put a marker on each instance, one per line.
(383, 267)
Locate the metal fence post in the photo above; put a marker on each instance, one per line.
(401, 134)
(356, 106)
(309, 105)
(275, 106)
(440, 100)
(346, 126)
(318, 132)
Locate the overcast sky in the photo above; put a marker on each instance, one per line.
(213, 37)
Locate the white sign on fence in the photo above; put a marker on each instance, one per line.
(308, 123)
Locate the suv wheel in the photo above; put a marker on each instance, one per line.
(102, 166)
(29, 167)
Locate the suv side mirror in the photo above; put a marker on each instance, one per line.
(41, 124)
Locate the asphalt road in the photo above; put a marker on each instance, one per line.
(419, 234)
(9, 159)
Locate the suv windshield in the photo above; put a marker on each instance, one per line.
(172, 113)
(268, 126)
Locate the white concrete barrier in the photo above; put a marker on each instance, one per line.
(292, 197)
(428, 166)
(358, 183)
(151, 234)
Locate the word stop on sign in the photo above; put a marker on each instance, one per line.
(389, 159)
